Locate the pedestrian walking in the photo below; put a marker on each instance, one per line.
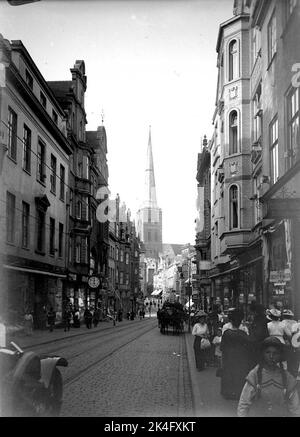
(258, 329)
(292, 353)
(296, 346)
(51, 316)
(76, 318)
(288, 319)
(269, 390)
(96, 317)
(88, 317)
(120, 315)
(277, 328)
(67, 317)
(229, 325)
(235, 348)
(217, 348)
(200, 332)
(28, 323)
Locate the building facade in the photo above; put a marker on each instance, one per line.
(254, 158)
(88, 238)
(99, 236)
(203, 226)
(34, 183)
(275, 90)
(235, 256)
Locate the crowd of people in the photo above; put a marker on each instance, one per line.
(73, 316)
(257, 361)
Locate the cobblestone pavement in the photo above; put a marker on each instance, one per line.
(148, 376)
(154, 375)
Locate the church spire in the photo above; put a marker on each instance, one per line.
(150, 189)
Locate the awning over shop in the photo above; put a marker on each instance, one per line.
(39, 272)
(156, 292)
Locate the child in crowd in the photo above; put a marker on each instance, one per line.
(270, 390)
(217, 342)
(28, 323)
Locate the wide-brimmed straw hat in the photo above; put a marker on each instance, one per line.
(288, 313)
(273, 313)
(296, 340)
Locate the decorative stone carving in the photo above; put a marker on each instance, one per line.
(233, 167)
(220, 106)
(233, 92)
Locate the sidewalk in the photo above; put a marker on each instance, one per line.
(40, 337)
(207, 399)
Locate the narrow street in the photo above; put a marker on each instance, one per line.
(149, 209)
(125, 370)
(131, 370)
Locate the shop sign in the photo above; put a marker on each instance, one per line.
(279, 288)
(251, 297)
(72, 276)
(280, 275)
(205, 265)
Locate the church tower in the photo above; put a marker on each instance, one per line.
(149, 216)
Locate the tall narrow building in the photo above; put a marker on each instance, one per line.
(149, 216)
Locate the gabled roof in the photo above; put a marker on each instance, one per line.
(172, 249)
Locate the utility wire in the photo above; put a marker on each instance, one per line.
(35, 154)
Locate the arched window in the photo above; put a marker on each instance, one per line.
(233, 207)
(233, 60)
(233, 132)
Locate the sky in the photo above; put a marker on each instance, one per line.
(148, 62)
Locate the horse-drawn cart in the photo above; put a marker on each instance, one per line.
(171, 316)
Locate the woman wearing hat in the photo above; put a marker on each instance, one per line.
(293, 353)
(270, 390)
(236, 357)
(200, 331)
(276, 327)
